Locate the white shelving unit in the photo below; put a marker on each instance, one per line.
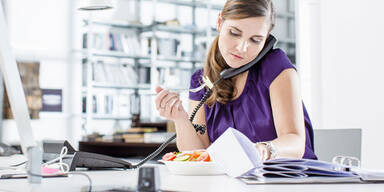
(152, 60)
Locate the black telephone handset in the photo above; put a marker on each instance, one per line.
(231, 72)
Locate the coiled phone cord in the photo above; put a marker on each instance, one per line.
(200, 128)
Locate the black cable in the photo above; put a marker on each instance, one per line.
(22, 163)
(155, 153)
(73, 173)
(200, 128)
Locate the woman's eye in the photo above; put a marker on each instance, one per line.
(233, 33)
(255, 40)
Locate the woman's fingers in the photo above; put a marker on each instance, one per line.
(176, 107)
(179, 105)
(263, 152)
(158, 89)
(166, 100)
(170, 105)
(160, 96)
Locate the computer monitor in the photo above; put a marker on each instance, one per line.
(12, 81)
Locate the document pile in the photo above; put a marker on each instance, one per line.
(245, 164)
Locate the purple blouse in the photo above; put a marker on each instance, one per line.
(251, 112)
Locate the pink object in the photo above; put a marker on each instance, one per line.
(49, 171)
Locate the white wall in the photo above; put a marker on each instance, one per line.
(341, 47)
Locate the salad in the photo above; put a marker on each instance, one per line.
(196, 155)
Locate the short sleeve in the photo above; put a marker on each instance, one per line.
(275, 62)
(196, 81)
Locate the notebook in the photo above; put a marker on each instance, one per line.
(237, 156)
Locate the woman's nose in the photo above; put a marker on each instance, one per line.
(242, 46)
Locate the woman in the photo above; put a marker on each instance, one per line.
(263, 103)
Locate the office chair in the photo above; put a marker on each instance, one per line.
(334, 142)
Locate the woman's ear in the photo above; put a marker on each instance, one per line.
(219, 22)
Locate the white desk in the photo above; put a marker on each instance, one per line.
(109, 179)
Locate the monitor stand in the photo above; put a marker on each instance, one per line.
(18, 103)
(35, 157)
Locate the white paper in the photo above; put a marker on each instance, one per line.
(370, 175)
(234, 153)
(9, 161)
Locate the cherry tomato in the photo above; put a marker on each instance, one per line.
(169, 156)
(195, 155)
(204, 156)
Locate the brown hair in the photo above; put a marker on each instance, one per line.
(215, 63)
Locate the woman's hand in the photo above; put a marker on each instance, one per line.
(169, 105)
(264, 152)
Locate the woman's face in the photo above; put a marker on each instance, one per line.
(241, 40)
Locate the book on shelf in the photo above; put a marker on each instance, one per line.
(168, 45)
(129, 74)
(119, 76)
(84, 71)
(130, 43)
(110, 104)
(112, 42)
(146, 106)
(127, 42)
(145, 137)
(133, 138)
(145, 44)
(94, 104)
(161, 76)
(124, 107)
(144, 74)
(135, 102)
(113, 74)
(158, 137)
(200, 49)
(116, 74)
(142, 130)
(185, 76)
(134, 134)
(100, 104)
(99, 72)
(85, 41)
(84, 104)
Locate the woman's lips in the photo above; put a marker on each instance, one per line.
(236, 56)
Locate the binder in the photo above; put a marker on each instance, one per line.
(237, 156)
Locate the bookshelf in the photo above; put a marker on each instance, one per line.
(138, 56)
(156, 59)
